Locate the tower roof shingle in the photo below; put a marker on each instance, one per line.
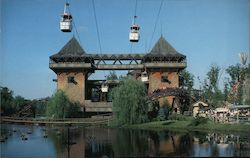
(163, 49)
(71, 49)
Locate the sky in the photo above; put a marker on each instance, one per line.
(206, 31)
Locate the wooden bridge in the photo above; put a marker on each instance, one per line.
(88, 121)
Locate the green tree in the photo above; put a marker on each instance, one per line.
(234, 71)
(40, 107)
(58, 106)
(213, 77)
(112, 76)
(186, 80)
(226, 90)
(211, 92)
(19, 102)
(164, 111)
(129, 102)
(237, 73)
(247, 102)
(6, 101)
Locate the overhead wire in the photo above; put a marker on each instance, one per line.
(135, 12)
(135, 7)
(97, 28)
(131, 47)
(156, 21)
(74, 25)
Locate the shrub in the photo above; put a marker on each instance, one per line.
(178, 117)
(153, 108)
(161, 114)
(199, 120)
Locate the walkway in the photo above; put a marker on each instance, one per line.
(96, 120)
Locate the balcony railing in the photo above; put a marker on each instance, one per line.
(118, 66)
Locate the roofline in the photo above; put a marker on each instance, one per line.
(137, 56)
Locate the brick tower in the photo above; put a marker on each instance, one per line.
(163, 64)
(71, 66)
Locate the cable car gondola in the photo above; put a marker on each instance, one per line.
(144, 76)
(104, 87)
(66, 20)
(134, 35)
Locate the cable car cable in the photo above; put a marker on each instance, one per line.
(134, 35)
(68, 16)
(104, 87)
(97, 28)
(135, 7)
(66, 19)
(74, 25)
(156, 21)
(131, 45)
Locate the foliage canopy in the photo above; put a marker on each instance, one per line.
(59, 106)
(129, 102)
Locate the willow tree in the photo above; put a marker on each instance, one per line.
(58, 106)
(129, 102)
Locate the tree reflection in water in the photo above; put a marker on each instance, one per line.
(103, 142)
(130, 143)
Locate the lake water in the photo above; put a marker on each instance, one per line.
(77, 142)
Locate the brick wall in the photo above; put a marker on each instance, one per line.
(155, 81)
(75, 91)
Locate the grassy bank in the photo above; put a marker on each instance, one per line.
(191, 124)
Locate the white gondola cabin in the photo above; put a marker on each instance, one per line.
(104, 87)
(134, 35)
(144, 77)
(66, 20)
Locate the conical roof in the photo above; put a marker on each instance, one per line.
(71, 49)
(163, 49)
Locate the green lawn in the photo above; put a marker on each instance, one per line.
(188, 124)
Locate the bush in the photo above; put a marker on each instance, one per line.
(247, 102)
(162, 114)
(153, 108)
(199, 120)
(178, 117)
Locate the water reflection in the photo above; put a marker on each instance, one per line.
(77, 142)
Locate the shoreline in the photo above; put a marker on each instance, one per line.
(174, 125)
(171, 125)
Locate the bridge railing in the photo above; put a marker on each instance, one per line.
(46, 120)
